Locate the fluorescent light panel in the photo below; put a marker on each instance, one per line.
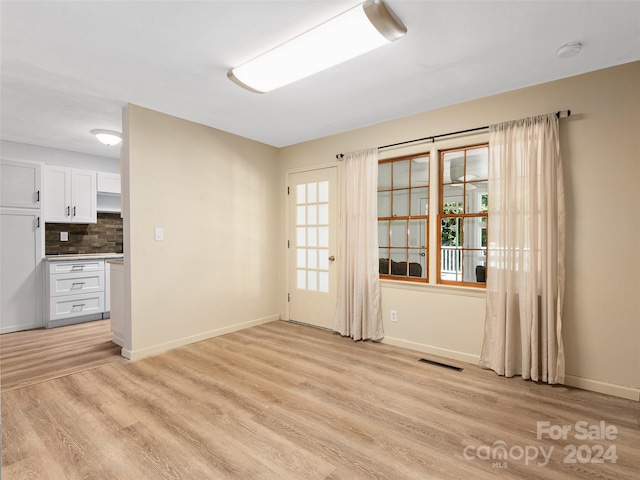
(357, 31)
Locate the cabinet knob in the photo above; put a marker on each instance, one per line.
(332, 258)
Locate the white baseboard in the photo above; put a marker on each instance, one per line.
(163, 347)
(441, 352)
(621, 391)
(19, 328)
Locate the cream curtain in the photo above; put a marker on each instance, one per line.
(526, 248)
(358, 313)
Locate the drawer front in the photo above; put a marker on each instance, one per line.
(76, 283)
(75, 305)
(78, 266)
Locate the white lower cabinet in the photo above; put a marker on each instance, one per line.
(21, 242)
(75, 290)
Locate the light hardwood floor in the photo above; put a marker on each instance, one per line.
(34, 356)
(285, 401)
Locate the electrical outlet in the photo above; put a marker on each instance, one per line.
(64, 236)
(394, 316)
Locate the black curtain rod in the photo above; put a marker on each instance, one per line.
(560, 114)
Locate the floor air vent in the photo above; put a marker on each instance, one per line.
(439, 364)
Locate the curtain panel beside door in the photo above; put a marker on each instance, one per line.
(358, 314)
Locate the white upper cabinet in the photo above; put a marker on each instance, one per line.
(20, 186)
(70, 195)
(109, 183)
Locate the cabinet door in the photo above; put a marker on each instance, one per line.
(109, 183)
(83, 196)
(57, 201)
(20, 184)
(20, 276)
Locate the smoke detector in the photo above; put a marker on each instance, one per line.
(569, 50)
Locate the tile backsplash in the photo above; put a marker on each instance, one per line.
(102, 237)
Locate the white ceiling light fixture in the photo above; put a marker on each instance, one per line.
(354, 32)
(108, 137)
(569, 50)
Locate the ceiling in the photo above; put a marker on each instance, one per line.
(70, 66)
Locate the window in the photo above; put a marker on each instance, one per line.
(463, 218)
(459, 230)
(403, 203)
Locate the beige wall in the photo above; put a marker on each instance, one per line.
(215, 196)
(600, 149)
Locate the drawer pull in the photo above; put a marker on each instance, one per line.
(77, 283)
(77, 267)
(80, 305)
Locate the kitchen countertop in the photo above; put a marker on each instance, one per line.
(82, 256)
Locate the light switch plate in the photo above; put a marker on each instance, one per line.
(64, 236)
(159, 233)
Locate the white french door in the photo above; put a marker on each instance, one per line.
(313, 210)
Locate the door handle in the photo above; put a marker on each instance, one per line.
(332, 258)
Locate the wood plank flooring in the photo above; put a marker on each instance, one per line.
(285, 401)
(34, 356)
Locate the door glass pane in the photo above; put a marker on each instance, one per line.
(312, 231)
(323, 214)
(312, 236)
(312, 256)
(419, 201)
(301, 254)
(323, 191)
(400, 203)
(384, 204)
(300, 193)
(312, 192)
(312, 214)
(301, 236)
(301, 217)
(399, 233)
(323, 259)
(323, 236)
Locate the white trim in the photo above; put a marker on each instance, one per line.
(630, 393)
(434, 288)
(163, 347)
(433, 350)
(621, 391)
